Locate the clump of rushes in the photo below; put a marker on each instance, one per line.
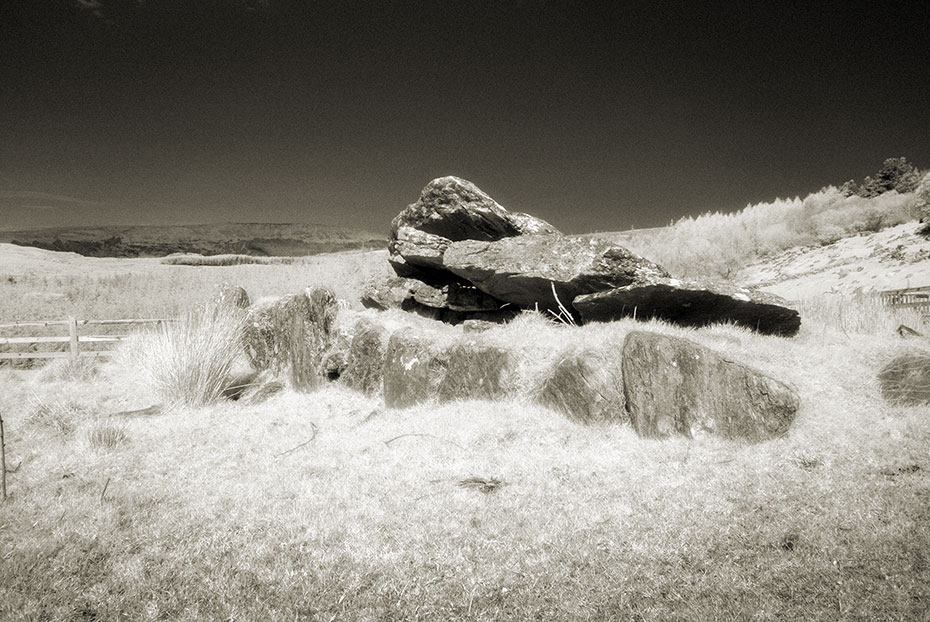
(188, 362)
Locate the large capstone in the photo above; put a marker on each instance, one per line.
(525, 270)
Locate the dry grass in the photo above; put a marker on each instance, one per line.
(216, 515)
(860, 314)
(143, 288)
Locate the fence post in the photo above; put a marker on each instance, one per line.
(2, 461)
(72, 332)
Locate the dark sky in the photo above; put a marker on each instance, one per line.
(594, 118)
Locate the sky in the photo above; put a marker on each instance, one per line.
(593, 116)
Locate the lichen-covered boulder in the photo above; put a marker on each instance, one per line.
(365, 363)
(474, 371)
(413, 369)
(674, 386)
(405, 293)
(229, 296)
(586, 386)
(905, 380)
(451, 209)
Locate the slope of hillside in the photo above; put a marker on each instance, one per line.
(263, 239)
(895, 258)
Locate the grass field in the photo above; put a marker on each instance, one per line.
(326, 506)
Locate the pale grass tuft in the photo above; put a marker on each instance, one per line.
(107, 435)
(79, 370)
(189, 362)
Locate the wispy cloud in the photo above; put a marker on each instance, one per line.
(45, 200)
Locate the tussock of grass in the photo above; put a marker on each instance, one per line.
(189, 362)
(61, 416)
(105, 434)
(80, 370)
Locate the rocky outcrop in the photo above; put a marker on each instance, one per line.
(691, 304)
(906, 379)
(399, 292)
(290, 335)
(523, 270)
(586, 387)
(460, 255)
(674, 386)
(449, 210)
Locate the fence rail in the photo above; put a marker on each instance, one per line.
(74, 339)
(911, 297)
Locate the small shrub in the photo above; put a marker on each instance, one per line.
(896, 174)
(189, 362)
(107, 435)
(80, 370)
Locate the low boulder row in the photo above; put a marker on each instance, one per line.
(661, 385)
(459, 255)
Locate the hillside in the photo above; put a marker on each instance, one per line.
(895, 258)
(260, 239)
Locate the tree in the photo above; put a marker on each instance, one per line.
(897, 174)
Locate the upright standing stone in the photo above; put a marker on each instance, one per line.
(289, 335)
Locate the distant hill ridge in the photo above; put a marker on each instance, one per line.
(260, 239)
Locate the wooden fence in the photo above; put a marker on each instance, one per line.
(74, 339)
(911, 297)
